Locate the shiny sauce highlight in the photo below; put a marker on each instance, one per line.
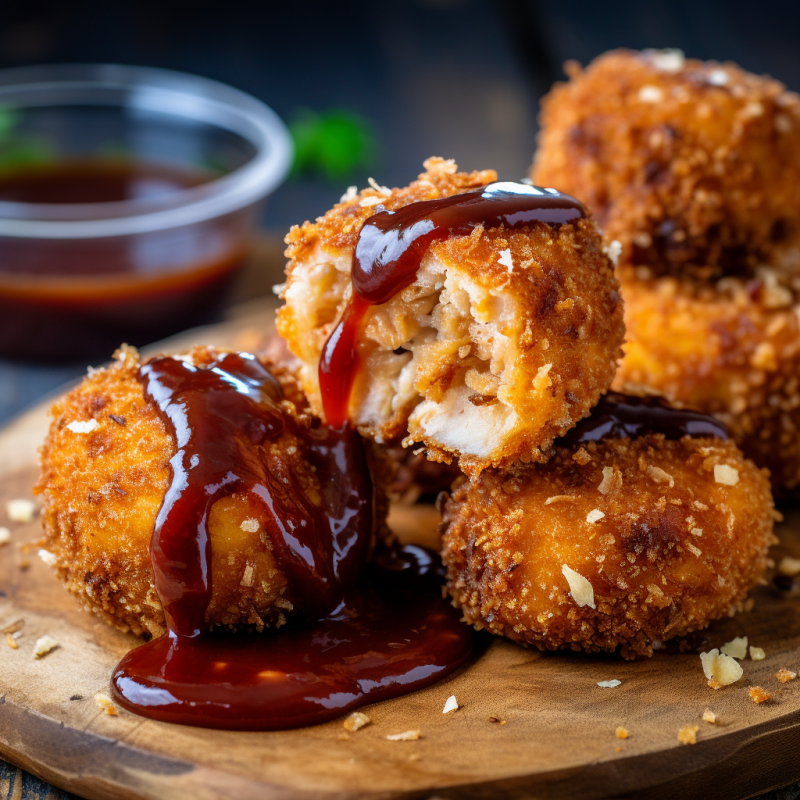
(391, 246)
(366, 631)
(621, 416)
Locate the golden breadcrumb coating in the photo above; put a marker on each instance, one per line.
(689, 164)
(730, 349)
(474, 359)
(640, 532)
(102, 490)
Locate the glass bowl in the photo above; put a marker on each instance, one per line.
(128, 199)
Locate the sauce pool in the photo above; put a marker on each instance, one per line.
(368, 632)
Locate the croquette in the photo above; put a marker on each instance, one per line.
(105, 473)
(694, 167)
(617, 544)
(504, 340)
(730, 348)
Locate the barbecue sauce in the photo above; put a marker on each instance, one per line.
(76, 298)
(368, 631)
(391, 246)
(621, 416)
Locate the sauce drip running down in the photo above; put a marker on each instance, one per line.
(369, 632)
(621, 416)
(391, 246)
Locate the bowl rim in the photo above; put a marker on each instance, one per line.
(148, 89)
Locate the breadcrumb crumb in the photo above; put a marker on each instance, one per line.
(736, 648)
(5, 536)
(102, 700)
(757, 653)
(612, 684)
(580, 588)
(451, 704)
(622, 733)
(43, 646)
(80, 426)
(726, 475)
(356, 721)
(709, 716)
(759, 695)
(406, 736)
(688, 735)
(785, 675)
(789, 566)
(21, 510)
(720, 670)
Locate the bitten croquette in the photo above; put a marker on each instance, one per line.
(503, 341)
(617, 544)
(692, 166)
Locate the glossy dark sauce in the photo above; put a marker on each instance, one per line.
(391, 246)
(76, 298)
(620, 416)
(368, 632)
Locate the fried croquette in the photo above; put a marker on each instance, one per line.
(731, 349)
(690, 165)
(105, 473)
(503, 341)
(622, 543)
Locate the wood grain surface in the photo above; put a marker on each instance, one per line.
(530, 724)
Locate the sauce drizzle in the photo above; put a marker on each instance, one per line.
(367, 631)
(621, 416)
(391, 246)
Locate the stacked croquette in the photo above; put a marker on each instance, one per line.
(694, 168)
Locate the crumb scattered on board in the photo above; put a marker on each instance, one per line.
(757, 654)
(709, 716)
(609, 684)
(103, 701)
(785, 675)
(451, 704)
(406, 736)
(21, 510)
(688, 734)
(622, 733)
(356, 721)
(43, 646)
(759, 695)
(720, 670)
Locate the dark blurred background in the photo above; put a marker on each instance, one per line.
(456, 78)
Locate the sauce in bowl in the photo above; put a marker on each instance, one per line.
(82, 297)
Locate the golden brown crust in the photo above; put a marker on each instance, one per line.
(670, 548)
(690, 165)
(730, 349)
(534, 345)
(102, 490)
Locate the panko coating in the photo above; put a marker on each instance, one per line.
(690, 165)
(105, 472)
(622, 543)
(503, 341)
(731, 349)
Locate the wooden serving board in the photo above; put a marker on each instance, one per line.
(530, 724)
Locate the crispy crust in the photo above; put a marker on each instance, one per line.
(543, 338)
(102, 490)
(694, 166)
(731, 349)
(508, 535)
